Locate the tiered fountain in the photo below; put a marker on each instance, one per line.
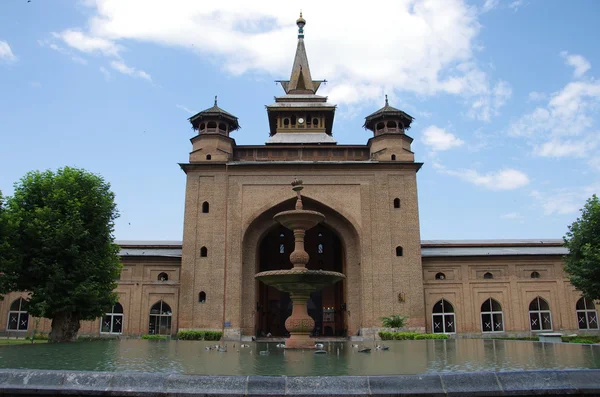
(299, 281)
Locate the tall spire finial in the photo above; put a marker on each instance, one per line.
(300, 22)
(215, 100)
(386, 100)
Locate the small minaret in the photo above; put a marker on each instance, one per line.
(390, 141)
(213, 126)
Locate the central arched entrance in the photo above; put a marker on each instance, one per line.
(326, 306)
(341, 238)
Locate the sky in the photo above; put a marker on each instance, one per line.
(504, 93)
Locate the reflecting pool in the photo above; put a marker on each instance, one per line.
(403, 357)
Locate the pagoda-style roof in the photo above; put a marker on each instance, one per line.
(387, 112)
(213, 113)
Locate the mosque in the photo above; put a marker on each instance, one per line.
(368, 194)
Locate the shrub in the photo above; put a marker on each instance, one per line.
(590, 339)
(199, 335)
(409, 336)
(394, 321)
(212, 335)
(154, 337)
(431, 336)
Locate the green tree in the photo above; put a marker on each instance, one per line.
(60, 247)
(582, 263)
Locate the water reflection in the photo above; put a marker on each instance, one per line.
(404, 357)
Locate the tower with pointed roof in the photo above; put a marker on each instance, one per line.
(213, 126)
(301, 116)
(389, 141)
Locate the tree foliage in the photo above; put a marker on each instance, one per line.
(394, 321)
(58, 244)
(583, 241)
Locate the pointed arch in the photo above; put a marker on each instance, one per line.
(160, 319)
(492, 318)
(443, 319)
(587, 316)
(18, 317)
(540, 317)
(262, 224)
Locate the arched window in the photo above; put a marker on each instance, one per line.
(315, 122)
(391, 125)
(294, 120)
(488, 276)
(163, 276)
(535, 275)
(393, 157)
(222, 126)
(398, 251)
(320, 248)
(286, 122)
(202, 126)
(440, 276)
(491, 316)
(380, 126)
(587, 317)
(160, 319)
(112, 323)
(205, 207)
(18, 318)
(540, 318)
(202, 297)
(203, 252)
(211, 124)
(208, 157)
(443, 320)
(396, 203)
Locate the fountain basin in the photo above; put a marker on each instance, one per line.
(299, 280)
(299, 219)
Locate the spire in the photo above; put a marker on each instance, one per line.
(301, 81)
(386, 101)
(216, 100)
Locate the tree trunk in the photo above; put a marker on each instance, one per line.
(65, 326)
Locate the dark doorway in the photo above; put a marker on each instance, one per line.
(325, 306)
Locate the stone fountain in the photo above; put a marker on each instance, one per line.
(299, 281)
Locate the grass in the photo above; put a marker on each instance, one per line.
(4, 342)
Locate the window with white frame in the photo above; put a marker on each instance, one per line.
(443, 319)
(491, 316)
(587, 317)
(540, 318)
(112, 323)
(18, 318)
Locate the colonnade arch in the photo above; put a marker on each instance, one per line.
(345, 232)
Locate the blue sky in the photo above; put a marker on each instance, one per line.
(504, 94)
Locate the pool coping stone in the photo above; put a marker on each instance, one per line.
(24, 382)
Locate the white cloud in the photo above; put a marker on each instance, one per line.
(565, 200)
(133, 72)
(439, 140)
(428, 49)
(504, 179)
(185, 109)
(535, 96)
(515, 5)
(580, 64)
(6, 53)
(105, 73)
(88, 44)
(565, 127)
(489, 5)
(489, 102)
(513, 216)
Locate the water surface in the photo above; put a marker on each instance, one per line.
(404, 357)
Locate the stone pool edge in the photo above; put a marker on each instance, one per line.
(22, 382)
